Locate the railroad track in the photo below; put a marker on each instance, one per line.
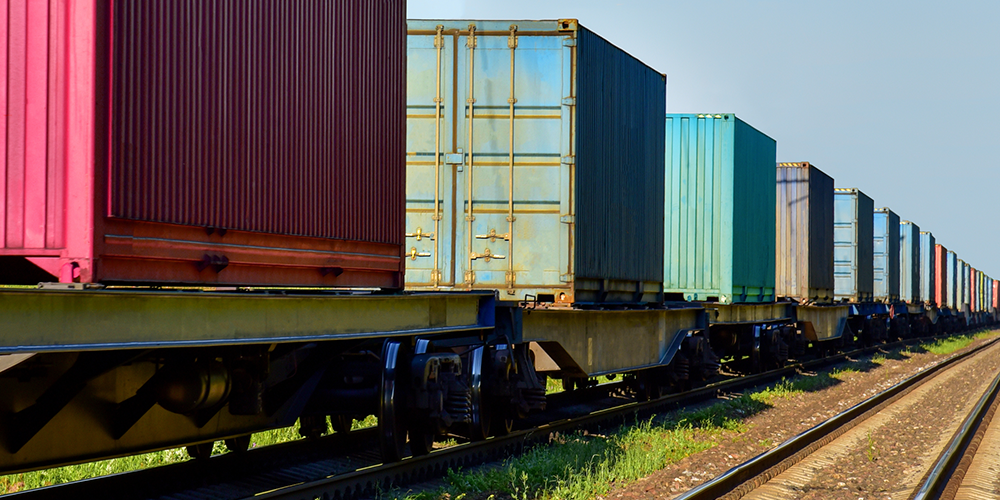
(966, 470)
(767, 475)
(348, 465)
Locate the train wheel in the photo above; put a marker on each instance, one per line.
(502, 425)
(239, 444)
(200, 451)
(482, 413)
(341, 423)
(568, 384)
(391, 421)
(421, 438)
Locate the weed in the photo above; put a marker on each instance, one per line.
(878, 359)
(872, 450)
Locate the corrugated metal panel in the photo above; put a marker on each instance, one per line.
(32, 181)
(619, 168)
(909, 262)
(952, 281)
(555, 157)
(804, 220)
(274, 117)
(964, 285)
(996, 294)
(885, 251)
(942, 266)
(928, 268)
(853, 238)
(720, 209)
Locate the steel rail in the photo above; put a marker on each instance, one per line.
(960, 447)
(201, 473)
(745, 477)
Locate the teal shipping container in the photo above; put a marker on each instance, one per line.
(885, 250)
(928, 268)
(909, 262)
(534, 163)
(720, 210)
(853, 238)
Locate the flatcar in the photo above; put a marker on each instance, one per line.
(229, 243)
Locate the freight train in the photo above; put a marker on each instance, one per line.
(422, 221)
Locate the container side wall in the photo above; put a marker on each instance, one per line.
(866, 240)
(804, 227)
(272, 117)
(753, 215)
(619, 164)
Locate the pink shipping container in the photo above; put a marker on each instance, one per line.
(996, 294)
(973, 289)
(252, 142)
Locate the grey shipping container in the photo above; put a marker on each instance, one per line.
(928, 264)
(534, 162)
(720, 209)
(965, 286)
(853, 237)
(885, 255)
(804, 220)
(909, 262)
(954, 294)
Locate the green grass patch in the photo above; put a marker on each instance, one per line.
(951, 344)
(29, 480)
(582, 466)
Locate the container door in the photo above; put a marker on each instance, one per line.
(509, 232)
(432, 160)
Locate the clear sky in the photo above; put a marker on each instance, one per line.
(898, 98)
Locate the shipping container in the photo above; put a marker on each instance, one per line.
(853, 239)
(720, 209)
(973, 289)
(963, 285)
(804, 225)
(930, 262)
(534, 162)
(885, 250)
(996, 295)
(204, 142)
(909, 262)
(942, 284)
(953, 281)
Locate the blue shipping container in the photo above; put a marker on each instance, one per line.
(909, 262)
(720, 210)
(885, 260)
(853, 238)
(534, 163)
(927, 267)
(954, 294)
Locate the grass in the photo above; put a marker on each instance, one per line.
(583, 465)
(29, 480)
(956, 342)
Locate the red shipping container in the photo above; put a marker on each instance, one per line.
(252, 142)
(996, 293)
(941, 275)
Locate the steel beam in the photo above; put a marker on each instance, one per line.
(57, 320)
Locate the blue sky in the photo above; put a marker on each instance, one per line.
(900, 99)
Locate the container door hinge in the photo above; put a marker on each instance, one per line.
(455, 159)
(569, 101)
(569, 42)
(435, 277)
(510, 279)
(568, 160)
(567, 219)
(566, 278)
(470, 277)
